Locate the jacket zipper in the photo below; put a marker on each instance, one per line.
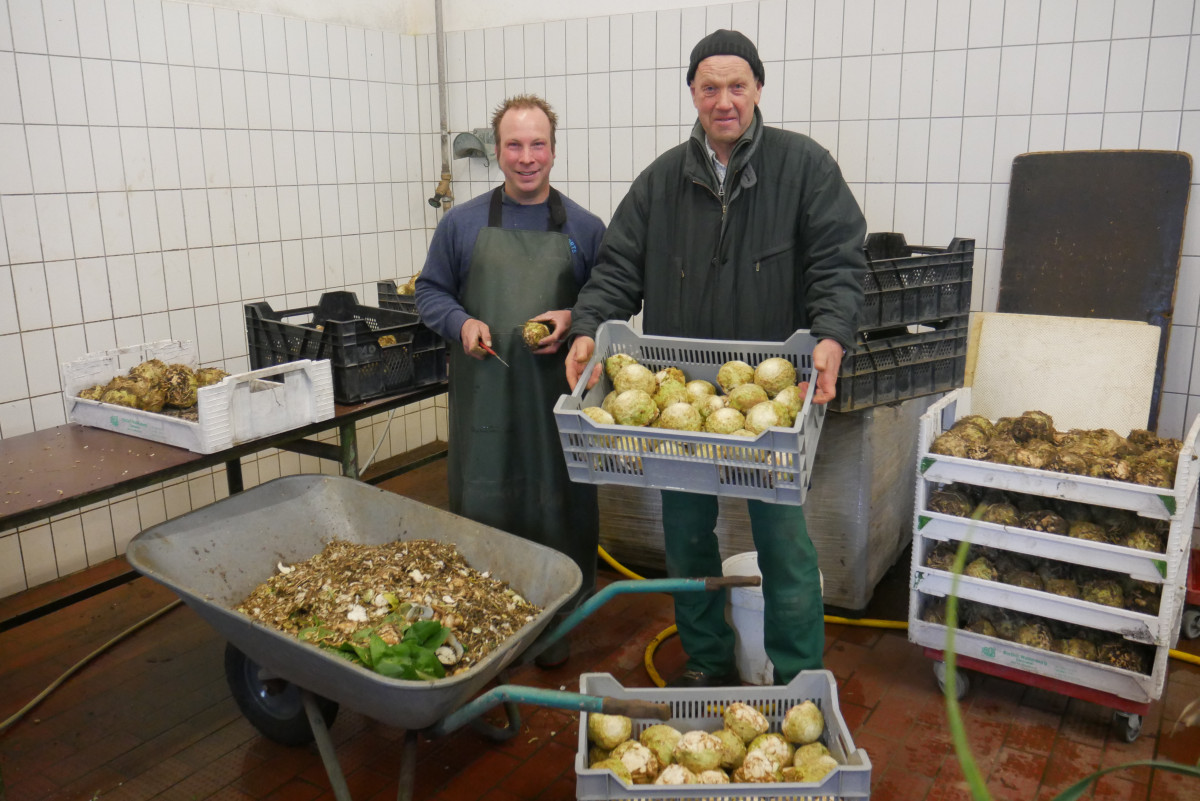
(720, 194)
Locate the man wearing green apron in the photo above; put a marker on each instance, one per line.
(517, 253)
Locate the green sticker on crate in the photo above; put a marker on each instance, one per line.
(1169, 502)
(922, 520)
(926, 463)
(1161, 567)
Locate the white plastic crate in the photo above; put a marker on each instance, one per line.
(240, 408)
(702, 709)
(1135, 626)
(1137, 687)
(1140, 565)
(774, 466)
(1147, 501)
(1177, 505)
(1169, 569)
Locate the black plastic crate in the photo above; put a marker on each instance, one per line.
(885, 369)
(390, 297)
(347, 333)
(910, 284)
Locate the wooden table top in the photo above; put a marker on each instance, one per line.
(60, 469)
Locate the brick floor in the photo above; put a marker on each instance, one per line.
(152, 719)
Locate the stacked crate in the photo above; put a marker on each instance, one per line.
(390, 297)
(912, 338)
(1127, 691)
(373, 351)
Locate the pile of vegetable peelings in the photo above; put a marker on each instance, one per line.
(408, 610)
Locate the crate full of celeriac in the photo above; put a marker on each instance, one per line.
(718, 417)
(787, 742)
(155, 391)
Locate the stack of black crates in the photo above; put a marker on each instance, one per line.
(373, 352)
(912, 337)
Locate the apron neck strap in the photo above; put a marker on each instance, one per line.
(558, 213)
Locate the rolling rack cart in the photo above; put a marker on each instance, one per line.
(774, 466)
(1128, 692)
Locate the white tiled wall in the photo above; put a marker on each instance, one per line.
(166, 162)
(923, 102)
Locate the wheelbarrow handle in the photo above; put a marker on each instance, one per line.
(603, 594)
(636, 708)
(555, 699)
(720, 582)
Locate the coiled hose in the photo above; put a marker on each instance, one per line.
(671, 631)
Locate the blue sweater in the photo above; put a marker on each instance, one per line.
(440, 284)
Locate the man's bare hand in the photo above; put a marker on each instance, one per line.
(577, 361)
(827, 361)
(560, 325)
(474, 332)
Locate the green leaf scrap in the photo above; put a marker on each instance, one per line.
(413, 658)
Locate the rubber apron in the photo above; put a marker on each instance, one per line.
(505, 466)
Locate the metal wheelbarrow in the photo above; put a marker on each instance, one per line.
(290, 690)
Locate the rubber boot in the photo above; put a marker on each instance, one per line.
(793, 617)
(690, 544)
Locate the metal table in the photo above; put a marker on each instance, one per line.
(60, 469)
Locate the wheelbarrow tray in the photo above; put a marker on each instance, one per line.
(215, 556)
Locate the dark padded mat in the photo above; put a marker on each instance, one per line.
(1096, 233)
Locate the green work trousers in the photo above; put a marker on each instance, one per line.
(793, 619)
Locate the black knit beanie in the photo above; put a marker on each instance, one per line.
(725, 43)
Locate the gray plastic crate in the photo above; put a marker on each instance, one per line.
(702, 709)
(775, 466)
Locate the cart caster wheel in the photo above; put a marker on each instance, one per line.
(1129, 725)
(1191, 624)
(961, 681)
(273, 706)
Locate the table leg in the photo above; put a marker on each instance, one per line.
(349, 441)
(233, 476)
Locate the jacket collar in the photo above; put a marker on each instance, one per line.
(699, 166)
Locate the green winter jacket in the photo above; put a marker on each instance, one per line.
(782, 251)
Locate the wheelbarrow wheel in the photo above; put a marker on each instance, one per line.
(273, 706)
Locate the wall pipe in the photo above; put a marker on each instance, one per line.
(442, 195)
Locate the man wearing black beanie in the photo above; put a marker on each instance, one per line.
(743, 232)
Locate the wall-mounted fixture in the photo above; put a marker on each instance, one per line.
(477, 143)
(442, 195)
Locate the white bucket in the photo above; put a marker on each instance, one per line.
(745, 614)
